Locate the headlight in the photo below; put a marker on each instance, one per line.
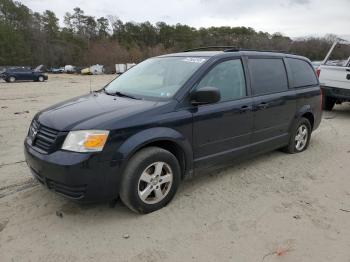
(85, 140)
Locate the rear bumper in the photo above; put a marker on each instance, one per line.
(77, 176)
(339, 93)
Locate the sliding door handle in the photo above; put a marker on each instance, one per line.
(262, 105)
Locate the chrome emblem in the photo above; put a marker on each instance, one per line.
(34, 133)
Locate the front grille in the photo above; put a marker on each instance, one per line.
(42, 137)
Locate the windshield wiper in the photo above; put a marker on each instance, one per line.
(118, 93)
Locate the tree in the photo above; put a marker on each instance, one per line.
(32, 38)
(50, 24)
(89, 27)
(77, 19)
(103, 27)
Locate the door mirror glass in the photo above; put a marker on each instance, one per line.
(205, 95)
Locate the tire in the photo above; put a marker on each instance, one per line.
(156, 192)
(41, 79)
(293, 147)
(328, 103)
(11, 79)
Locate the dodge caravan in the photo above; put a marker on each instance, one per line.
(170, 116)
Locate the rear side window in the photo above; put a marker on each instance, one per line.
(228, 77)
(268, 76)
(303, 74)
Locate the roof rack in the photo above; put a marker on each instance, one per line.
(236, 49)
(256, 50)
(210, 47)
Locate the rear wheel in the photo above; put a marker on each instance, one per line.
(150, 180)
(329, 103)
(300, 137)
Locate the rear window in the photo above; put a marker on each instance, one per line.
(268, 76)
(303, 74)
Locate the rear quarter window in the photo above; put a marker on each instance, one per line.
(268, 75)
(302, 73)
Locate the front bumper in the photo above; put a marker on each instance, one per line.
(78, 176)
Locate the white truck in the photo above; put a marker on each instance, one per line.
(334, 78)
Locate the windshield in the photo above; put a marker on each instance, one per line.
(159, 77)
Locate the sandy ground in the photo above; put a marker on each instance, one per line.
(276, 207)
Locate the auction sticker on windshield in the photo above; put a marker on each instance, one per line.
(194, 60)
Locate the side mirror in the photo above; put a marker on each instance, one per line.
(205, 95)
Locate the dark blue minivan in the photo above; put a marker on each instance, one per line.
(171, 116)
(12, 75)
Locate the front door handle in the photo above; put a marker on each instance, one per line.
(244, 109)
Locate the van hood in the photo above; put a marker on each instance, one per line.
(93, 111)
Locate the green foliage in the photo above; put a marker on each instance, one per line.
(28, 38)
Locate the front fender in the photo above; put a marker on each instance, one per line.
(142, 138)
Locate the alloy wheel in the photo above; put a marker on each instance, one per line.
(155, 183)
(301, 137)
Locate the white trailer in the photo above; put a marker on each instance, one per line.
(130, 65)
(120, 68)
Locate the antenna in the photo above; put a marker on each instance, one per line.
(90, 84)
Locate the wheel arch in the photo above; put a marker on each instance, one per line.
(309, 116)
(163, 137)
(306, 112)
(10, 75)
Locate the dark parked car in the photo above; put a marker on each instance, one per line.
(169, 116)
(22, 73)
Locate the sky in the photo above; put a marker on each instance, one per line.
(293, 18)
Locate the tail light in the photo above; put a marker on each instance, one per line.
(318, 71)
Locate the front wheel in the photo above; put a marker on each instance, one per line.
(11, 79)
(150, 180)
(41, 79)
(300, 137)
